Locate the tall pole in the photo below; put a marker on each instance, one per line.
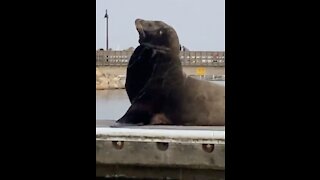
(107, 40)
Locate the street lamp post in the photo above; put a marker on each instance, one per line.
(107, 40)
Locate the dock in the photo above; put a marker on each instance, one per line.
(159, 152)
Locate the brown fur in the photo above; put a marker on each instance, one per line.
(167, 96)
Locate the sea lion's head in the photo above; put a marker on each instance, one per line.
(157, 34)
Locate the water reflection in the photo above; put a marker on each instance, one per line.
(111, 104)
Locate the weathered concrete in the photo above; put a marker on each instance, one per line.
(148, 154)
(121, 70)
(177, 134)
(176, 160)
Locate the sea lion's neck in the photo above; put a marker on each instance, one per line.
(158, 48)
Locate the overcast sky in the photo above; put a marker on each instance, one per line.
(200, 24)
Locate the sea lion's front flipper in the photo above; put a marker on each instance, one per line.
(138, 113)
(120, 125)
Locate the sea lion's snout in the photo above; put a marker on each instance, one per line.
(138, 24)
(139, 27)
(138, 21)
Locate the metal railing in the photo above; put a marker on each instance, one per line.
(188, 58)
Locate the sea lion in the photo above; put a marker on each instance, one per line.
(159, 91)
(155, 58)
(145, 56)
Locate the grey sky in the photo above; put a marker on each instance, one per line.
(200, 24)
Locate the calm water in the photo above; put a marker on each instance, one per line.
(112, 104)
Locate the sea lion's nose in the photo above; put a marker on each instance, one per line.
(138, 21)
